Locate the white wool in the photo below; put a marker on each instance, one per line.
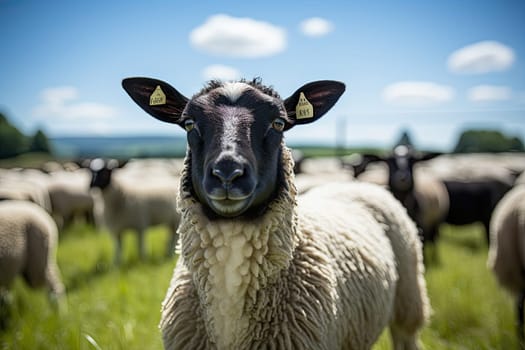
(330, 271)
(507, 248)
(28, 239)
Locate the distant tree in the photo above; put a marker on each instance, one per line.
(516, 144)
(487, 141)
(12, 141)
(39, 143)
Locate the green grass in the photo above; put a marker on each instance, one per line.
(110, 308)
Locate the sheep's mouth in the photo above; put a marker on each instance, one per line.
(229, 207)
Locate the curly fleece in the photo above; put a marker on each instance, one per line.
(28, 239)
(313, 275)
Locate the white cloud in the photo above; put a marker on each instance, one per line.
(61, 102)
(316, 27)
(59, 95)
(224, 35)
(220, 72)
(417, 93)
(487, 93)
(481, 57)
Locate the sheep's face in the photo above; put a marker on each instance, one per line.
(401, 166)
(234, 135)
(101, 172)
(235, 132)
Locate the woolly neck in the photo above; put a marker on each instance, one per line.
(232, 260)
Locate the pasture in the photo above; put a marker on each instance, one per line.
(119, 308)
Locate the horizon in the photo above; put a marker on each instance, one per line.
(432, 69)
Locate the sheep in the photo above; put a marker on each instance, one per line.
(28, 184)
(474, 201)
(28, 240)
(70, 197)
(135, 201)
(260, 267)
(423, 195)
(507, 249)
(475, 183)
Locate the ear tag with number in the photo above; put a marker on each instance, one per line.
(304, 109)
(158, 97)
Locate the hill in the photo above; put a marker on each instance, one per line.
(119, 146)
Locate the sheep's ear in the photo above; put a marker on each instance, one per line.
(312, 101)
(428, 156)
(157, 98)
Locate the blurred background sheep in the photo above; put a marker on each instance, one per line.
(28, 241)
(136, 197)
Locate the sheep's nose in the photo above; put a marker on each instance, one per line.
(227, 173)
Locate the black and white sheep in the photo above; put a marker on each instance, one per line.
(507, 249)
(135, 201)
(259, 269)
(423, 195)
(28, 240)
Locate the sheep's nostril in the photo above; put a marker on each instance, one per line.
(227, 176)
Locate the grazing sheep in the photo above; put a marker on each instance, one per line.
(258, 268)
(136, 201)
(507, 249)
(28, 239)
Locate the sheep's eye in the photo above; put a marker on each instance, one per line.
(189, 124)
(278, 124)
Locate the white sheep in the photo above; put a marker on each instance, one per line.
(507, 248)
(261, 270)
(136, 201)
(70, 196)
(28, 240)
(28, 184)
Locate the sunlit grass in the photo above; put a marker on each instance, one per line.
(470, 311)
(119, 308)
(108, 307)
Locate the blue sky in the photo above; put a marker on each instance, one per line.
(430, 67)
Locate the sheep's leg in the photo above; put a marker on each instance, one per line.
(118, 248)
(5, 308)
(520, 319)
(402, 340)
(56, 288)
(140, 242)
(435, 252)
(486, 225)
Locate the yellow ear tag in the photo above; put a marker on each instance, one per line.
(157, 97)
(304, 109)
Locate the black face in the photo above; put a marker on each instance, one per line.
(401, 166)
(234, 136)
(100, 174)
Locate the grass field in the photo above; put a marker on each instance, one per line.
(110, 308)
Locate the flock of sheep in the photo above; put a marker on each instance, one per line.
(323, 258)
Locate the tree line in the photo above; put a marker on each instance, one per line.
(13, 142)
